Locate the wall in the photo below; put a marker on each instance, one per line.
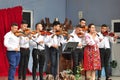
(40, 8)
(94, 11)
(116, 56)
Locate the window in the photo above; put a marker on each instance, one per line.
(28, 16)
(116, 26)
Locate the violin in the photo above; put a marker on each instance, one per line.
(45, 32)
(24, 33)
(27, 31)
(80, 34)
(111, 34)
(58, 32)
(85, 28)
(65, 33)
(33, 32)
(106, 33)
(48, 33)
(18, 33)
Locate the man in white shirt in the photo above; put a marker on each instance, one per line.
(82, 22)
(47, 53)
(11, 42)
(105, 51)
(25, 53)
(55, 41)
(77, 54)
(38, 52)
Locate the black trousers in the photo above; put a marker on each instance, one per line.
(23, 65)
(38, 59)
(55, 57)
(47, 58)
(105, 56)
(77, 56)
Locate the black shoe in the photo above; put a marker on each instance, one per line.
(41, 78)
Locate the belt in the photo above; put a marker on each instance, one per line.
(79, 48)
(14, 51)
(104, 48)
(24, 48)
(38, 49)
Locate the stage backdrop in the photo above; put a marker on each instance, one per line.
(7, 16)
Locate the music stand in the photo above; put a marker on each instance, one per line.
(69, 47)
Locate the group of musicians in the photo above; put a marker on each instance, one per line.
(93, 50)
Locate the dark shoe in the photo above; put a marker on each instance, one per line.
(25, 79)
(98, 78)
(19, 78)
(41, 77)
(108, 79)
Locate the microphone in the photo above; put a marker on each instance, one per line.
(98, 35)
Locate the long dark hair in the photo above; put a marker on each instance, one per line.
(89, 26)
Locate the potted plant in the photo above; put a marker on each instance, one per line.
(78, 71)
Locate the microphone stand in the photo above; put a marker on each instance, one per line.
(58, 63)
(58, 58)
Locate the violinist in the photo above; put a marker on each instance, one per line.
(47, 35)
(24, 50)
(55, 42)
(11, 42)
(38, 52)
(47, 39)
(82, 22)
(77, 54)
(105, 51)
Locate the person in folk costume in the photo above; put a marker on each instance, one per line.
(92, 60)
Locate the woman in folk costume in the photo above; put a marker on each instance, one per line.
(91, 53)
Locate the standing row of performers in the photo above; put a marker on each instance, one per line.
(93, 49)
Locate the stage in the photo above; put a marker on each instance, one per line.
(30, 78)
